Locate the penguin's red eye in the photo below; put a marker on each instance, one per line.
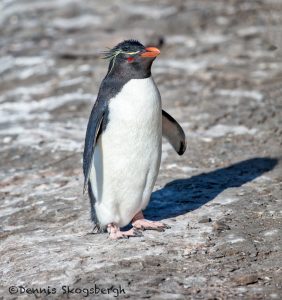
(130, 59)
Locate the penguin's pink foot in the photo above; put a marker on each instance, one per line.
(116, 234)
(140, 223)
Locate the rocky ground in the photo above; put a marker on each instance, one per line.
(219, 74)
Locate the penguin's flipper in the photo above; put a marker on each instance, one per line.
(174, 133)
(92, 133)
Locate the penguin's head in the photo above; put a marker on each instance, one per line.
(130, 57)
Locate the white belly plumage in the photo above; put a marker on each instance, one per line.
(128, 153)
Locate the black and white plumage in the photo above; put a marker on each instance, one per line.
(123, 141)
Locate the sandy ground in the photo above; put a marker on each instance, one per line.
(219, 74)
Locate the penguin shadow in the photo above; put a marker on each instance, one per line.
(183, 195)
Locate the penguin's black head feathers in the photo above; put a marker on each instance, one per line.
(132, 58)
(128, 47)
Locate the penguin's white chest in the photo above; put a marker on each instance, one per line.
(127, 155)
(137, 102)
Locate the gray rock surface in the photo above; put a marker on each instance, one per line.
(219, 74)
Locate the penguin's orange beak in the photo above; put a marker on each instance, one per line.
(151, 52)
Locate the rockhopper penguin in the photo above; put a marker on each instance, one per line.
(123, 143)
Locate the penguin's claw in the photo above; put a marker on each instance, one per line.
(140, 223)
(150, 225)
(116, 234)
